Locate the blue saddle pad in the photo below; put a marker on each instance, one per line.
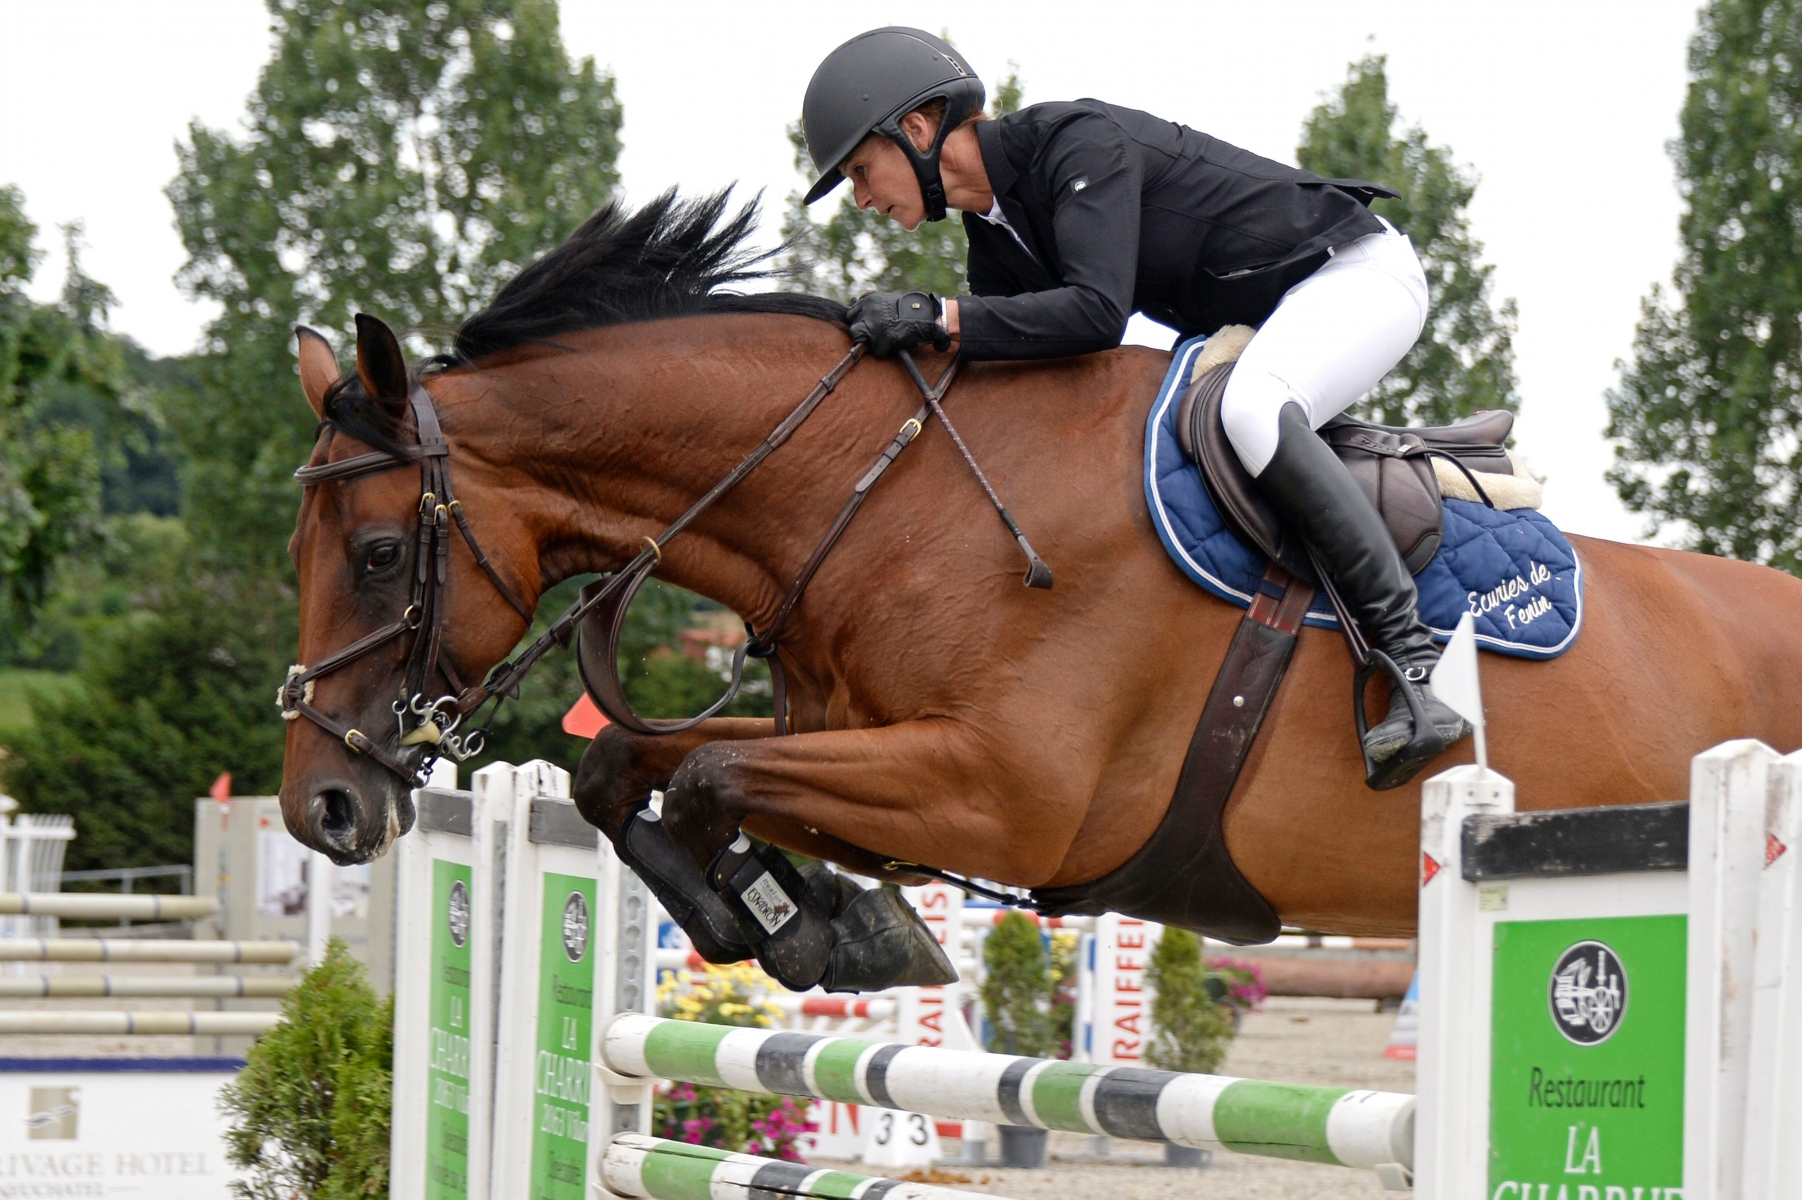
(1511, 569)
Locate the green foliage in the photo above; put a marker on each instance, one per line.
(50, 478)
(1708, 404)
(1017, 988)
(1464, 360)
(167, 699)
(309, 1113)
(855, 250)
(1190, 1030)
(401, 159)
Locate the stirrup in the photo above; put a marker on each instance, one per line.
(1407, 762)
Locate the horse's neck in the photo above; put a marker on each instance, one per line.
(621, 437)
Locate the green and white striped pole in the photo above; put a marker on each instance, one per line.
(1276, 1120)
(648, 1168)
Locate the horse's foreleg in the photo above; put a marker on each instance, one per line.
(619, 771)
(910, 792)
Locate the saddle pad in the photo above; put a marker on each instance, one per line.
(1513, 570)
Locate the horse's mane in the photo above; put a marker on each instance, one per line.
(669, 258)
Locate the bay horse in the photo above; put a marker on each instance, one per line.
(944, 714)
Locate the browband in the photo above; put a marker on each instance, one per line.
(373, 463)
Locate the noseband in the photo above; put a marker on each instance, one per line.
(600, 611)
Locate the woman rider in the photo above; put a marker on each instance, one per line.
(1080, 214)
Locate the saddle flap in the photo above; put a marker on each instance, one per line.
(1229, 484)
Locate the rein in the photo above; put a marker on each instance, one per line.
(602, 603)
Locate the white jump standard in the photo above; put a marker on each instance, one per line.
(1313, 1124)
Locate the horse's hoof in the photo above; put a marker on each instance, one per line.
(881, 942)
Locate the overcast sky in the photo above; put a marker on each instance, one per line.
(1562, 109)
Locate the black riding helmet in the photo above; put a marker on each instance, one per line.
(868, 84)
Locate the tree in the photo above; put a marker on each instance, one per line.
(1709, 402)
(855, 250)
(402, 159)
(1464, 360)
(50, 478)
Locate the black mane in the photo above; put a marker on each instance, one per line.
(670, 258)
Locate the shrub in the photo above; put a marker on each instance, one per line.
(1017, 988)
(1189, 1028)
(309, 1113)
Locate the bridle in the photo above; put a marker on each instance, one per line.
(602, 604)
(439, 510)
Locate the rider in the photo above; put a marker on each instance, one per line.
(1082, 213)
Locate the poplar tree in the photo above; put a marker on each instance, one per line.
(1464, 360)
(853, 251)
(50, 485)
(1710, 401)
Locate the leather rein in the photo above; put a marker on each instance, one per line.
(605, 601)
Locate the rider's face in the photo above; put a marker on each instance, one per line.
(882, 179)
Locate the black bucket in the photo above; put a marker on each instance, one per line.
(1022, 1146)
(1187, 1156)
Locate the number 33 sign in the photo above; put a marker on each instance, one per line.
(899, 1139)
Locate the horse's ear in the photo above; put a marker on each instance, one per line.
(318, 367)
(379, 361)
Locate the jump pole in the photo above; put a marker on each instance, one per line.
(646, 1168)
(98, 906)
(1314, 1124)
(194, 1024)
(148, 950)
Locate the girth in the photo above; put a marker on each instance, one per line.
(1184, 875)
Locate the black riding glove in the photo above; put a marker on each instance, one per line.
(895, 321)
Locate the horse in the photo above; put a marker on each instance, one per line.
(943, 714)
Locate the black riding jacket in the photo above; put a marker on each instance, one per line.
(1119, 212)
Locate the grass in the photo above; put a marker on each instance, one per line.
(17, 687)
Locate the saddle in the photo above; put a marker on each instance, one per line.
(1399, 469)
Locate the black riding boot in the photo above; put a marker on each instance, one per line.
(814, 928)
(1316, 496)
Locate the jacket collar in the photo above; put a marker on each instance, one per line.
(1002, 181)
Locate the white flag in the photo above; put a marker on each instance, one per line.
(1455, 678)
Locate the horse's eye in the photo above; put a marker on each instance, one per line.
(382, 557)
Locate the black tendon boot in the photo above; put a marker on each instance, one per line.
(681, 887)
(1317, 497)
(813, 926)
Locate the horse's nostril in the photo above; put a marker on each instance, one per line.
(334, 816)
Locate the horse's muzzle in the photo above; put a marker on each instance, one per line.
(351, 825)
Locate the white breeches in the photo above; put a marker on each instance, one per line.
(1332, 336)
